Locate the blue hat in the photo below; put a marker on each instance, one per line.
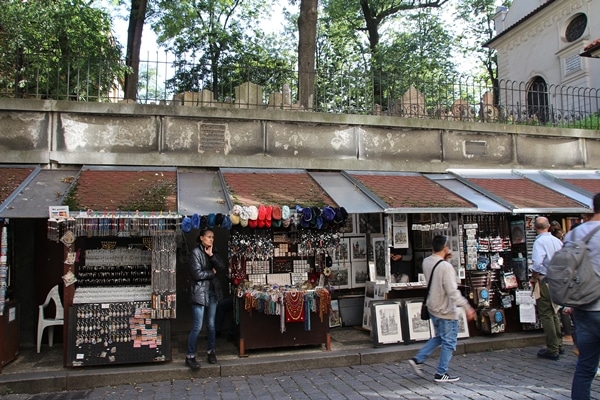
(328, 213)
(226, 224)
(186, 224)
(212, 219)
(307, 214)
(195, 221)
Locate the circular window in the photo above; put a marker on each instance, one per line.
(576, 27)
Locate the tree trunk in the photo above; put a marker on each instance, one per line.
(134, 44)
(307, 43)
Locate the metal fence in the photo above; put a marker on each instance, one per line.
(349, 92)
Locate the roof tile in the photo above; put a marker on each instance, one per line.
(120, 190)
(11, 178)
(401, 191)
(523, 193)
(276, 188)
(591, 185)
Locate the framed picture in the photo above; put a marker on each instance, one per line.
(380, 255)
(517, 232)
(418, 329)
(358, 249)
(463, 323)
(372, 293)
(386, 322)
(400, 237)
(360, 274)
(341, 253)
(399, 219)
(334, 316)
(340, 276)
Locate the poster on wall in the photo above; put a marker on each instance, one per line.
(400, 237)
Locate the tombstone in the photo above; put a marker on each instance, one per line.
(186, 99)
(488, 112)
(461, 111)
(206, 98)
(412, 104)
(248, 95)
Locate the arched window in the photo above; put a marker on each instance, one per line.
(537, 100)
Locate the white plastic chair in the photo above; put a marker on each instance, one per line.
(45, 322)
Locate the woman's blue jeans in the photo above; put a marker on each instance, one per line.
(587, 332)
(446, 334)
(197, 320)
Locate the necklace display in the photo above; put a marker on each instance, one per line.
(294, 306)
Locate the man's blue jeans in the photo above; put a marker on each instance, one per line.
(446, 333)
(587, 332)
(197, 320)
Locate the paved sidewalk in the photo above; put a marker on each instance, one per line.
(514, 373)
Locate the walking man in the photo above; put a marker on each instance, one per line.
(442, 301)
(544, 247)
(587, 318)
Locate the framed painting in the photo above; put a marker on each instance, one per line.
(358, 249)
(463, 323)
(386, 322)
(380, 255)
(400, 237)
(341, 252)
(418, 329)
(334, 316)
(340, 276)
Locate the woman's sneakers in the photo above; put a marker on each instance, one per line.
(445, 378)
(192, 363)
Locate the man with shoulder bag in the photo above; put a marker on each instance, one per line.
(442, 302)
(587, 317)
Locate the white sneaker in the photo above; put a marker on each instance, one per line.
(416, 367)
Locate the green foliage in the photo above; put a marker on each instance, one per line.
(153, 198)
(62, 48)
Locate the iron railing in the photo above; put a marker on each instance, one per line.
(349, 92)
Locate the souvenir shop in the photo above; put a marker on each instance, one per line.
(119, 285)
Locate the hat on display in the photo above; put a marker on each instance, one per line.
(286, 222)
(243, 222)
(261, 223)
(186, 224)
(203, 222)
(226, 224)
(252, 213)
(276, 213)
(195, 221)
(262, 212)
(328, 213)
(269, 213)
(233, 218)
(285, 212)
(236, 210)
(319, 222)
(344, 214)
(268, 223)
(212, 219)
(244, 216)
(219, 219)
(339, 218)
(252, 223)
(276, 223)
(307, 214)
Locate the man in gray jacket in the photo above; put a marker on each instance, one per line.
(442, 302)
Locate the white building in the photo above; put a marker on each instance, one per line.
(540, 43)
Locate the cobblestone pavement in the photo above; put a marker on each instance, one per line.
(502, 374)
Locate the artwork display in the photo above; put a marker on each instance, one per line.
(418, 329)
(387, 324)
(334, 315)
(360, 274)
(358, 249)
(380, 257)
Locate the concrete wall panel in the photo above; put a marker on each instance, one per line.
(107, 134)
(399, 144)
(476, 147)
(311, 141)
(212, 136)
(553, 152)
(24, 131)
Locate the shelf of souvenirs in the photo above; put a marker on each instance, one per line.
(84, 295)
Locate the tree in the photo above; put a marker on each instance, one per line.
(307, 42)
(478, 17)
(137, 16)
(206, 35)
(65, 48)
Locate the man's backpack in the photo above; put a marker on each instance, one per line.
(572, 280)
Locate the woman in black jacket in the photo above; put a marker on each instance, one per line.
(205, 292)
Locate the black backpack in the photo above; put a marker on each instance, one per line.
(572, 280)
